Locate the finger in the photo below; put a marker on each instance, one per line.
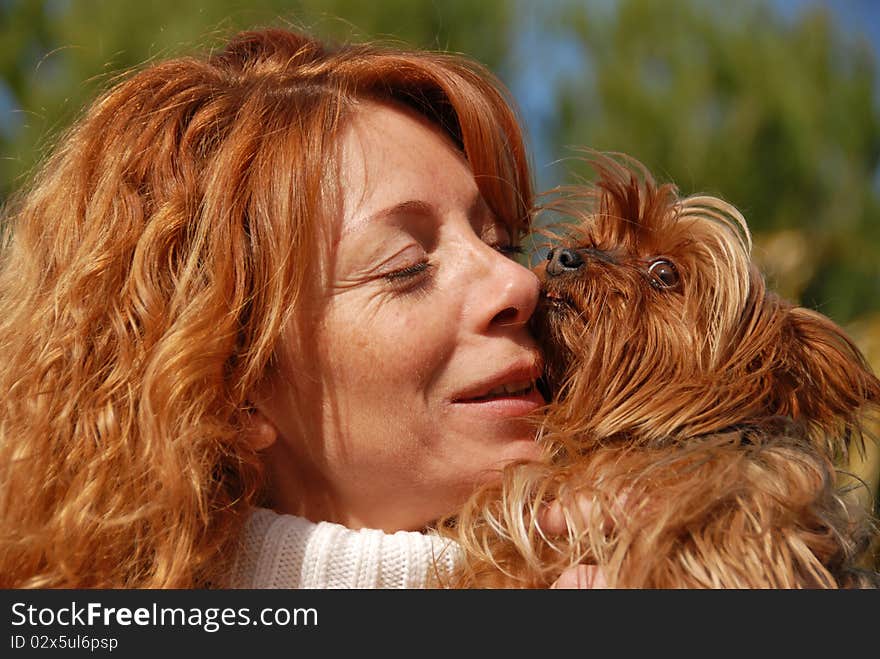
(581, 577)
(552, 519)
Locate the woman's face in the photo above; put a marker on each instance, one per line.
(424, 364)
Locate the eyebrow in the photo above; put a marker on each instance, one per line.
(477, 208)
(419, 208)
(410, 207)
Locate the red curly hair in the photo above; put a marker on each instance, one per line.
(146, 277)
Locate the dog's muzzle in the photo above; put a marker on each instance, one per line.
(562, 260)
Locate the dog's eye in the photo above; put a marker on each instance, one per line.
(663, 273)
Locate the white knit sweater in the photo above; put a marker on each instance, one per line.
(284, 551)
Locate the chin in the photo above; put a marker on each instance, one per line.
(518, 450)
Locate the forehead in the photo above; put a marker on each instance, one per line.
(390, 155)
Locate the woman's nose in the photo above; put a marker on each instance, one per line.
(512, 293)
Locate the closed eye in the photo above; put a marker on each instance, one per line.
(409, 271)
(411, 280)
(509, 250)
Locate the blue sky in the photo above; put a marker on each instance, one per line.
(857, 16)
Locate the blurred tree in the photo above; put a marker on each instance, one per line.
(780, 119)
(56, 55)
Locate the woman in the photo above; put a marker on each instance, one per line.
(276, 277)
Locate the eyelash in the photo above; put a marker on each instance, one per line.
(509, 250)
(422, 268)
(408, 272)
(411, 279)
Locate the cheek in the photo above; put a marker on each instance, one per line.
(396, 352)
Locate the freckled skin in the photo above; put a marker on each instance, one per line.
(420, 306)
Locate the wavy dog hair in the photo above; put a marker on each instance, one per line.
(699, 414)
(148, 272)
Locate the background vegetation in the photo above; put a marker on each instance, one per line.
(772, 105)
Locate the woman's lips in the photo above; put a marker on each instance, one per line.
(506, 390)
(504, 406)
(509, 392)
(516, 379)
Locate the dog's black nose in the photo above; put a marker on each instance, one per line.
(563, 260)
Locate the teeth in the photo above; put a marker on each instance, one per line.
(515, 388)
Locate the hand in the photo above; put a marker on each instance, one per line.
(552, 521)
(581, 576)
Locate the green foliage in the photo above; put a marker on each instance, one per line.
(56, 55)
(780, 119)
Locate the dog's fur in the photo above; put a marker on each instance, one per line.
(698, 415)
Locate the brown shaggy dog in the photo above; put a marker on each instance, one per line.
(696, 418)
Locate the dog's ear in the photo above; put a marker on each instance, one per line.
(824, 380)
